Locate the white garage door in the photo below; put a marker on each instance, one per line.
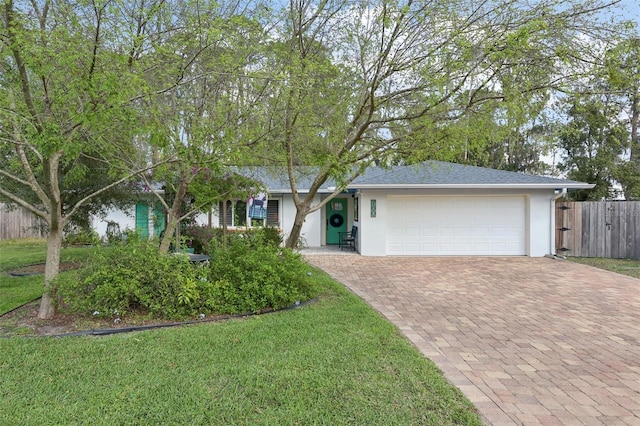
(464, 225)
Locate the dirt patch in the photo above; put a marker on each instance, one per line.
(24, 321)
(38, 268)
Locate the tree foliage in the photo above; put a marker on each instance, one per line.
(68, 117)
(600, 142)
(200, 120)
(622, 68)
(356, 83)
(95, 93)
(592, 144)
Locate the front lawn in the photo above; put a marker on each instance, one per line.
(332, 362)
(15, 291)
(630, 267)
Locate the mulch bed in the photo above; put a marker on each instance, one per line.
(24, 321)
(38, 268)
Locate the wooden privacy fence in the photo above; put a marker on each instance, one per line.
(609, 229)
(19, 223)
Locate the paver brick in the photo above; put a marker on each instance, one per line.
(531, 340)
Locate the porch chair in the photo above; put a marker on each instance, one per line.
(348, 239)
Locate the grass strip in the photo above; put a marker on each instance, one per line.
(15, 291)
(333, 362)
(630, 267)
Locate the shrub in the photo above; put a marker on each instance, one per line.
(201, 236)
(81, 237)
(135, 275)
(250, 274)
(271, 235)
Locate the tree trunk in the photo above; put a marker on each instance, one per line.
(302, 210)
(635, 123)
(52, 267)
(224, 223)
(173, 216)
(169, 230)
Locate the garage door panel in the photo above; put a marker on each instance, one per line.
(499, 232)
(437, 225)
(464, 232)
(464, 247)
(480, 232)
(412, 232)
(394, 233)
(447, 232)
(482, 247)
(413, 248)
(394, 247)
(429, 232)
(446, 246)
(429, 246)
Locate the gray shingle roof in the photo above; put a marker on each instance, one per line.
(430, 174)
(438, 173)
(442, 173)
(276, 179)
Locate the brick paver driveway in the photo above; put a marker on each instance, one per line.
(529, 341)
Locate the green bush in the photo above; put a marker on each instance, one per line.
(250, 273)
(135, 275)
(271, 235)
(201, 236)
(81, 237)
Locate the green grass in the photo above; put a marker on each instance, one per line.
(333, 362)
(630, 267)
(14, 291)
(14, 253)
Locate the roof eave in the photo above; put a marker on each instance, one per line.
(573, 185)
(300, 191)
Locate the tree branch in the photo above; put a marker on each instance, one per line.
(22, 203)
(12, 28)
(118, 182)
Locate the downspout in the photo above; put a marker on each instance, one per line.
(552, 242)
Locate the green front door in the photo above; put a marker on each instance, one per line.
(336, 219)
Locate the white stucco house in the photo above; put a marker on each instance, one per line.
(429, 209)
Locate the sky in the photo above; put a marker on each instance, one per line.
(632, 10)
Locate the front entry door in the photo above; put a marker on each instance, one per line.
(336, 219)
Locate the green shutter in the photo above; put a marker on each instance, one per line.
(142, 220)
(158, 219)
